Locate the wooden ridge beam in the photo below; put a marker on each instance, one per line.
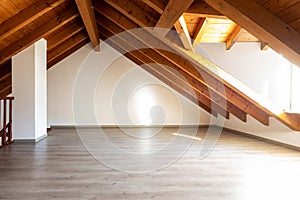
(88, 18)
(66, 44)
(27, 16)
(233, 37)
(66, 53)
(262, 24)
(172, 12)
(162, 73)
(39, 33)
(198, 86)
(234, 97)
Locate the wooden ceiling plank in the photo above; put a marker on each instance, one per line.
(236, 98)
(233, 37)
(262, 24)
(181, 28)
(66, 44)
(41, 32)
(162, 73)
(66, 53)
(88, 18)
(26, 16)
(172, 12)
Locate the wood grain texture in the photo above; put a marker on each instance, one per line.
(59, 167)
(88, 18)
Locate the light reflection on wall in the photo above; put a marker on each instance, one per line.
(152, 104)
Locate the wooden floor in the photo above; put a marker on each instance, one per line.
(60, 167)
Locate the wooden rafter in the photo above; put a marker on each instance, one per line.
(65, 32)
(157, 5)
(88, 17)
(66, 44)
(39, 33)
(202, 9)
(233, 37)
(171, 14)
(238, 102)
(66, 52)
(262, 24)
(235, 98)
(182, 65)
(163, 73)
(181, 28)
(133, 12)
(27, 16)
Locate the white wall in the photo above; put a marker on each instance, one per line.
(265, 71)
(269, 74)
(29, 90)
(108, 89)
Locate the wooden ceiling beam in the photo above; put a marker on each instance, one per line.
(65, 45)
(262, 24)
(172, 12)
(234, 97)
(202, 9)
(88, 18)
(65, 32)
(66, 53)
(157, 5)
(27, 16)
(37, 34)
(233, 37)
(184, 35)
(134, 13)
(130, 10)
(162, 73)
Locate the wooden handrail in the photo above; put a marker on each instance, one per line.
(6, 131)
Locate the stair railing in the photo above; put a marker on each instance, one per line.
(6, 118)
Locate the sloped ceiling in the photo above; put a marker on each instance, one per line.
(274, 23)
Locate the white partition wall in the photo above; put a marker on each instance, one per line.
(29, 89)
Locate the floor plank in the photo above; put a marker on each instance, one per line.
(60, 167)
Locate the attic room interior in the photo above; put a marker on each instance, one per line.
(149, 99)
